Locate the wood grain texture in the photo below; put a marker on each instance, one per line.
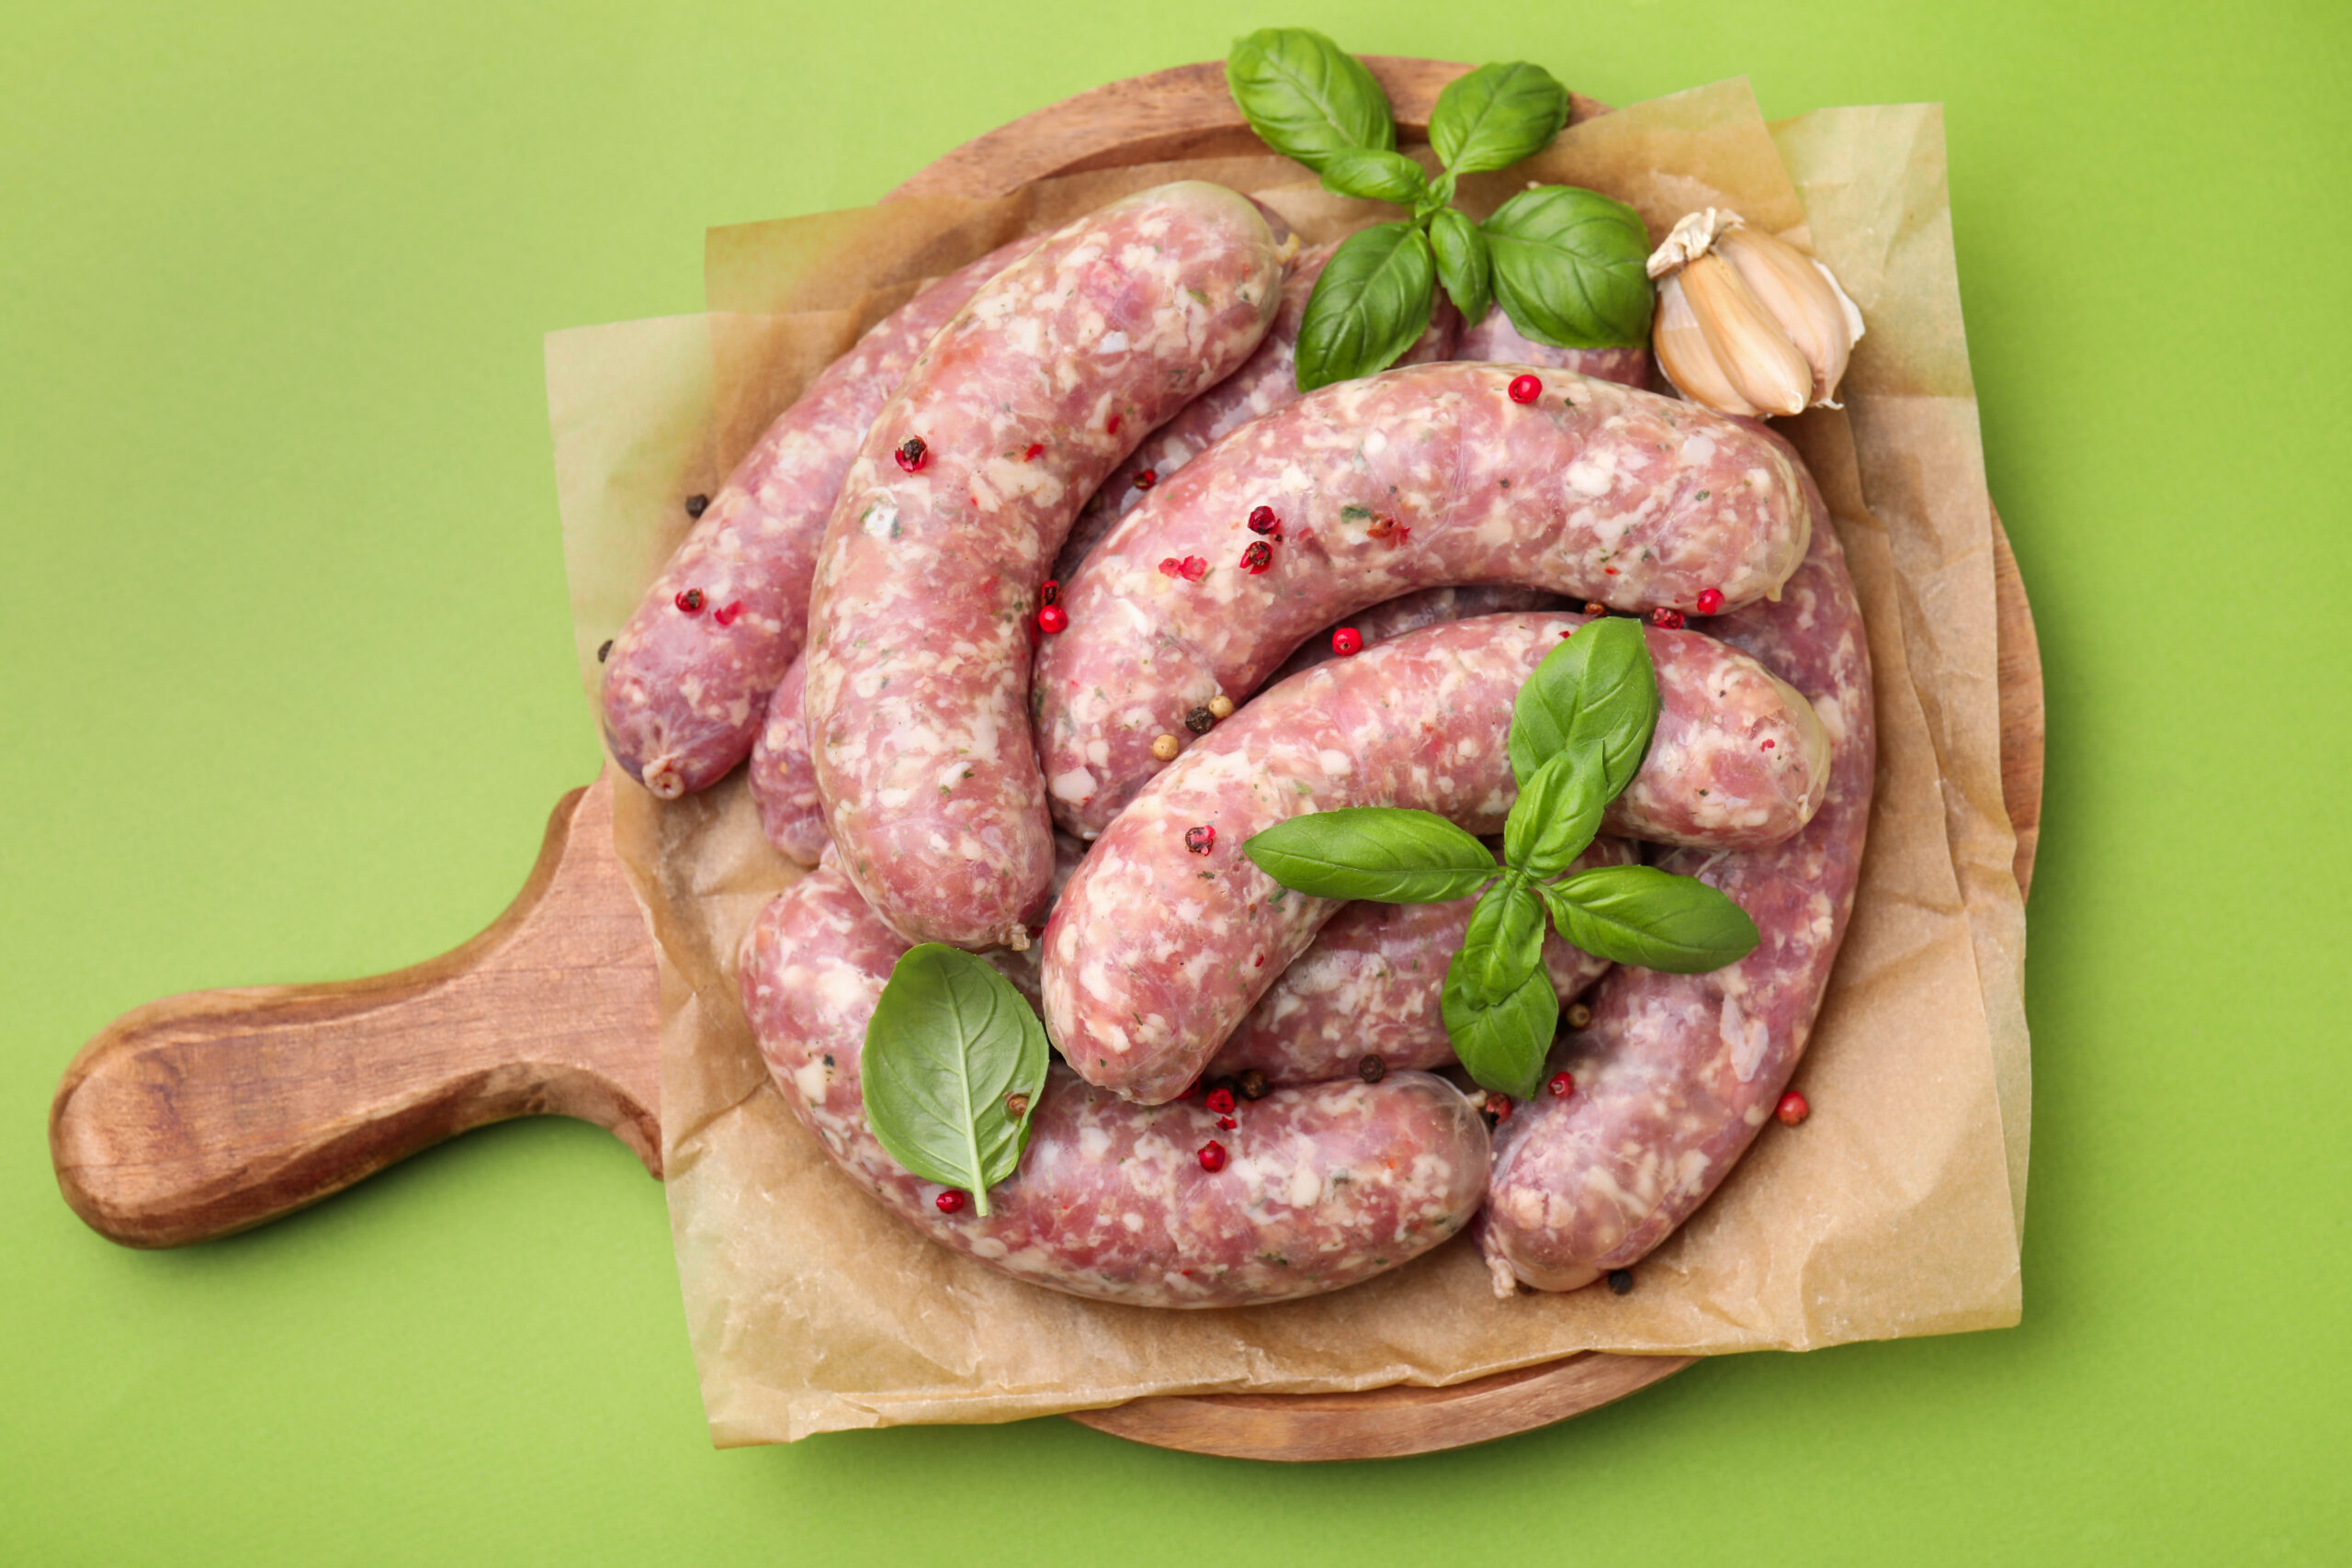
(200, 1115)
(1182, 112)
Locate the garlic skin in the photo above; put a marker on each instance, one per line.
(1747, 324)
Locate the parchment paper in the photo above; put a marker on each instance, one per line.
(1895, 1210)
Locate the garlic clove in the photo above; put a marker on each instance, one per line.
(1800, 294)
(1751, 348)
(1683, 355)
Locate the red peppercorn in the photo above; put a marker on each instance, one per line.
(1562, 1085)
(1212, 1155)
(1049, 591)
(1194, 568)
(1670, 619)
(1769, 744)
(1199, 840)
(1256, 558)
(951, 1201)
(1526, 388)
(1227, 1123)
(1347, 640)
(690, 601)
(1036, 450)
(1263, 521)
(913, 454)
(1709, 600)
(1171, 567)
(1498, 1106)
(1052, 618)
(1146, 479)
(725, 614)
(1221, 1102)
(1793, 1109)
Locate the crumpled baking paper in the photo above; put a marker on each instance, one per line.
(1896, 1210)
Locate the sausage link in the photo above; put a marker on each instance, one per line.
(1167, 935)
(683, 687)
(1407, 479)
(1679, 1072)
(1496, 340)
(1267, 380)
(784, 781)
(1323, 1185)
(925, 587)
(1372, 984)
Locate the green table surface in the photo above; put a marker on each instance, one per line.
(288, 693)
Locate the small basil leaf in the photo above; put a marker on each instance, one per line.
(949, 1040)
(1305, 96)
(1597, 688)
(1556, 814)
(1503, 1043)
(1640, 915)
(1503, 946)
(1379, 852)
(1496, 116)
(1435, 199)
(1371, 305)
(1462, 264)
(1375, 176)
(1571, 267)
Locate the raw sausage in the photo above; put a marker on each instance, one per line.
(1372, 984)
(1167, 935)
(1496, 340)
(1410, 479)
(783, 782)
(688, 676)
(1266, 379)
(926, 585)
(1321, 1187)
(1679, 1072)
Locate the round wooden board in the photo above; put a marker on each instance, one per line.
(1186, 112)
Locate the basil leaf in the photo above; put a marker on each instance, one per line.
(1503, 946)
(1305, 96)
(1556, 814)
(1503, 1041)
(1640, 915)
(1371, 305)
(1571, 267)
(1496, 116)
(1596, 688)
(949, 1040)
(1375, 176)
(1379, 852)
(1463, 265)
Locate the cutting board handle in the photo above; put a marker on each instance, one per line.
(201, 1115)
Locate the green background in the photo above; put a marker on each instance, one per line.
(288, 693)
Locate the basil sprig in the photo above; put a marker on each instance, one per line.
(951, 1050)
(1579, 727)
(1567, 264)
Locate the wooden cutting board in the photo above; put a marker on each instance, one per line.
(197, 1116)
